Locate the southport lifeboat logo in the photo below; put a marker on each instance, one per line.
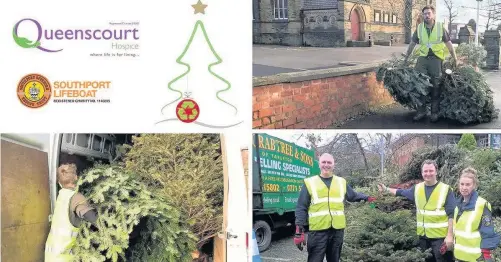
(34, 90)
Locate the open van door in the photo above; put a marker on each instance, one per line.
(235, 211)
(25, 196)
(72, 148)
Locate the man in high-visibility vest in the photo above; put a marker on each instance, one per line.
(70, 210)
(433, 42)
(435, 203)
(321, 207)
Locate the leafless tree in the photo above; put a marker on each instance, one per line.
(313, 141)
(452, 10)
(492, 11)
(362, 150)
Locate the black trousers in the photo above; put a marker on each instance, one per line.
(434, 244)
(325, 243)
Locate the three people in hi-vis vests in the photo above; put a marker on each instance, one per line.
(71, 209)
(434, 45)
(320, 210)
(456, 230)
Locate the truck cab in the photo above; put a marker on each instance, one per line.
(278, 170)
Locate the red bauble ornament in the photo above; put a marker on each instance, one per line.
(187, 110)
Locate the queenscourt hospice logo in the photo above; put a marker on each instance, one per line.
(123, 36)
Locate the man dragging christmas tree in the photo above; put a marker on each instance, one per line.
(433, 40)
(70, 210)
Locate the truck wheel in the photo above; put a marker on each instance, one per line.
(263, 235)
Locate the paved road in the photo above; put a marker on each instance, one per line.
(270, 59)
(398, 117)
(283, 249)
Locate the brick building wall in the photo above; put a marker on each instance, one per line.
(403, 153)
(316, 103)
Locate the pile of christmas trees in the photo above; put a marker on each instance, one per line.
(384, 233)
(450, 159)
(187, 170)
(466, 96)
(162, 201)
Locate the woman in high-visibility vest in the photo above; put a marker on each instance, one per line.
(474, 235)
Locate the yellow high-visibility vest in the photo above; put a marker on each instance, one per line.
(63, 234)
(467, 237)
(432, 221)
(326, 208)
(433, 41)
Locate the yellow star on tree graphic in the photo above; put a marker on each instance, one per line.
(199, 7)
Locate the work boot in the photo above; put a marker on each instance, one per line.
(435, 107)
(421, 113)
(434, 117)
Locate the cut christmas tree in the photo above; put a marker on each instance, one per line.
(186, 170)
(381, 234)
(406, 85)
(123, 202)
(466, 97)
(449, 158)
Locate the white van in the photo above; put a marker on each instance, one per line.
(29, 189)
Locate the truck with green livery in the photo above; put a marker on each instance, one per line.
(278, 170)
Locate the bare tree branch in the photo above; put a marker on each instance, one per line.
(313, 142)
(492, 13)
(334, 141)
(355, 136)
(453, 11)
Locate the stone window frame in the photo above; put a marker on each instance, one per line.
(394, 18)
(280, 9)
(377, 12)
(386, 15)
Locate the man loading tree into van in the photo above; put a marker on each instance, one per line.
(433, 40)
(321, 207)
(70, 210)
